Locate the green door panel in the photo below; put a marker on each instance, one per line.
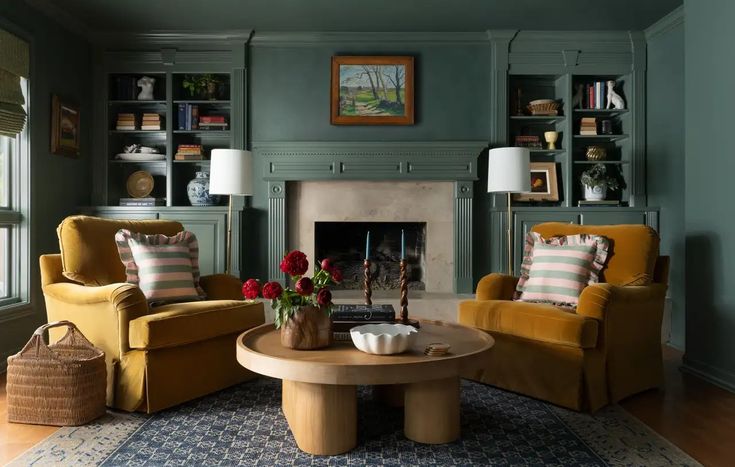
(210, 230)
(613, 217)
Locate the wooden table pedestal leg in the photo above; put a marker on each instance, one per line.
(432, 411)
(322, 417)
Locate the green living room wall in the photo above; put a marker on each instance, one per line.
(710, 165)
(60, 64)
(665, 153)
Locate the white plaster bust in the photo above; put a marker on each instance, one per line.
(145, 84)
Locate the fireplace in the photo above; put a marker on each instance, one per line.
(344, 243)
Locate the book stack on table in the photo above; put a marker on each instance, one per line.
(346, 317)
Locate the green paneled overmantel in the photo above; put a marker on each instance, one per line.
(369, 160)
(279, 163)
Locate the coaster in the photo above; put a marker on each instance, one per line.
(436, 349)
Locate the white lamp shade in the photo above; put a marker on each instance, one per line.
(509, 170)
(231, 172)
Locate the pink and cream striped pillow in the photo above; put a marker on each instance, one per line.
(558, 269)
(165, 268)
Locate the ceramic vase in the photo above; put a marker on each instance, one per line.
(596, 153)
(198, 191)
(595, 193)
(309, 328)
(551, 137)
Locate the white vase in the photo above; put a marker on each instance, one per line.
(595, 193)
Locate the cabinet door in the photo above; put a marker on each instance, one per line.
(211, 231)
(524, 222)
(613, 217)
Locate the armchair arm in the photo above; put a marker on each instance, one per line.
(101, 313)
(635, 302)
(221, 287)
(496, 286)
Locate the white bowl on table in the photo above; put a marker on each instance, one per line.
(383, 338)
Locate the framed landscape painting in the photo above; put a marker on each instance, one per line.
(64, 128)
(372, 90)
(543, 183)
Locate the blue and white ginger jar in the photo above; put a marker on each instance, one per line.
(198, 191)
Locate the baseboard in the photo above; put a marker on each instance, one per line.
(717, 376)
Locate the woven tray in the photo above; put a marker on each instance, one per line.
(60, 384)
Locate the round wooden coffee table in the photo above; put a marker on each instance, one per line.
(319, 397)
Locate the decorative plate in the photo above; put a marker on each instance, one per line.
(139, 156)
(383, 339)
(140, 184)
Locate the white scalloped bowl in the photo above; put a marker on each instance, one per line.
(383, 339)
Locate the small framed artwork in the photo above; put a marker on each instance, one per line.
(543, 183)
(372, 90)
(64, 127)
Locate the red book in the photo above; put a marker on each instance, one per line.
(591, 97)
(212, 119)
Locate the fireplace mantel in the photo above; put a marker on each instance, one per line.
(454, 161)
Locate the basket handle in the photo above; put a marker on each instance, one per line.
(38, 345)
(54, 324)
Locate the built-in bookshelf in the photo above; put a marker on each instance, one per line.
(569, 154)
(175, 117)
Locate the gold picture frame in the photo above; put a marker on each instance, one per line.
(544, 185)
(65, 130)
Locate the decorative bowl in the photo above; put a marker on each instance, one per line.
(140, 184)
(543, 107)
(383, 339)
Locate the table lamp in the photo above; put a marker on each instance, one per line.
(509, 171)
(230, 173)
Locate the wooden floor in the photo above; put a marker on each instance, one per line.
(694, 415)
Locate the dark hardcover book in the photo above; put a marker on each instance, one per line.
(194, 117)
(602, 202)
(352, 312)
(345, 326)
(182, 117)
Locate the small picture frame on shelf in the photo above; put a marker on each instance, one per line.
(544, 185)
(64, 127)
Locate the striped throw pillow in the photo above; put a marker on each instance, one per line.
(165, 268)
(556, 270)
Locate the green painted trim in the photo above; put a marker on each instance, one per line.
(277, 229)
(463, 237)
(369, 160)
(665, 24)
(308, 39)
(143, 40)
(717, 376)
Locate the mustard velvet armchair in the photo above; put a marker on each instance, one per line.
(159, 356)
(606, 350)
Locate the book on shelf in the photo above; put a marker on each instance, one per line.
(595, 95)
(207, 119)
(151, 121)
(125, 121)
(126, 88)
(188, 117)
(528, 141)
(599, 202)
(188, 152)
(352, 312)
(188, 157)
(150, 202)
(588, 126)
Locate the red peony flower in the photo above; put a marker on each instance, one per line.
(272, 290)
(304, 286)
(295, 263)
(337, 275)
(251, 289)
(327, 264)
(324, 297)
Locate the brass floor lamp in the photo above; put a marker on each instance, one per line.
(509, 171)
(230, 173)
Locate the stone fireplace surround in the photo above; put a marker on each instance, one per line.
(453, 164)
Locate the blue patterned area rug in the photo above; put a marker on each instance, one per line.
(244, 425)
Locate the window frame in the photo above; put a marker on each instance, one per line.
(16, 216)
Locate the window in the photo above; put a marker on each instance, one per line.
(14, 203)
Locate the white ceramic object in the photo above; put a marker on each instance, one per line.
(383, 339)
(595, 193)
(613, 98)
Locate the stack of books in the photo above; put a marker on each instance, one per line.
(346, 317)
(599, 202)
(595, 96)
(151, 121)
(125, 121)
(189, 152)
(148, 202)
(126, 88)
(212, 122)
(188, 117)
(588, 126)
(528, 141)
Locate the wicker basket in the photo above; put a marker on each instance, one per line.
(61, 384)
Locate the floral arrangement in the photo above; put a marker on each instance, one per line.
(307, 291)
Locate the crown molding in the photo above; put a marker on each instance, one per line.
(171, 38)
(665, 24)
(308, 38)
(60, 16)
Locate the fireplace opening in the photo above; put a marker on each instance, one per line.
(344, 243)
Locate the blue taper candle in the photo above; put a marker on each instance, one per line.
(403, 245)
(367, 246)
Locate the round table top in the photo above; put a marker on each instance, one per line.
(260, 351)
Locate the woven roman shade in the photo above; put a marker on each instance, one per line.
(14, 59)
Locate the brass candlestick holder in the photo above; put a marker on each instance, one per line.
(367, 287)
(404, 298)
